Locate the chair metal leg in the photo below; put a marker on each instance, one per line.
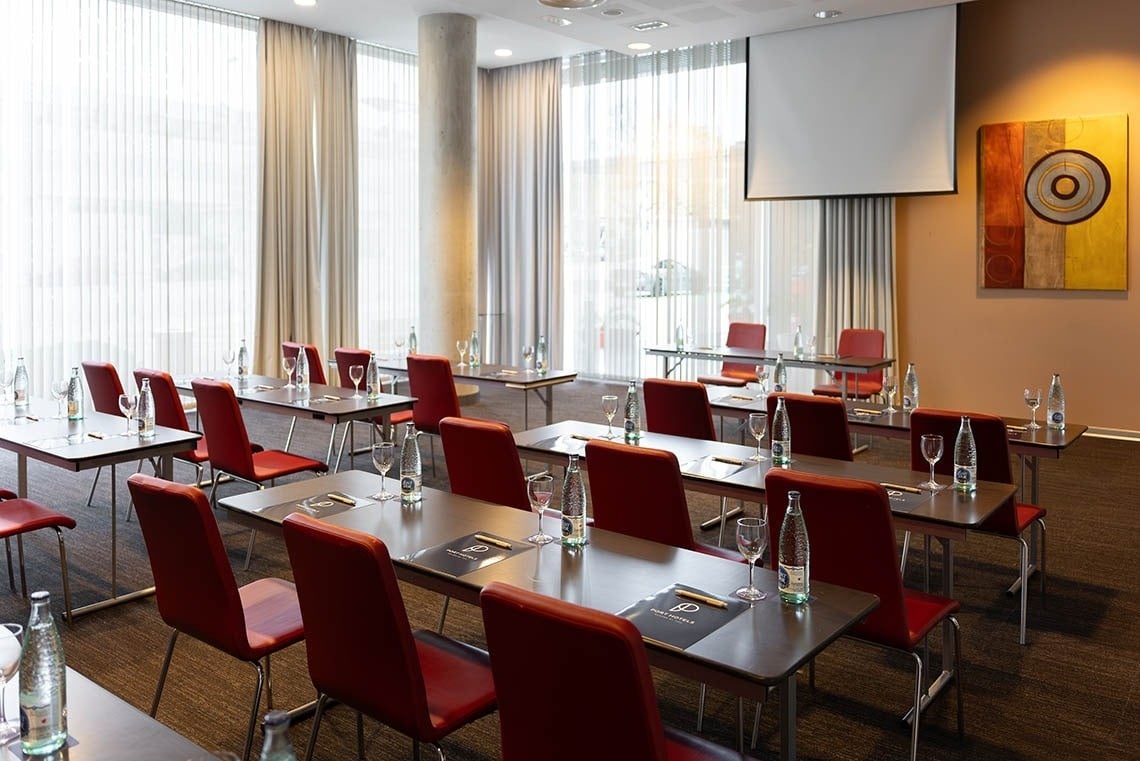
(254, 711)
(63, 574)
(701, 706)
(756, 719)
(249, 550)
(1041, 524)
(23, 575)
(214, 490)
(723, 520)
(268, 685)
(162, 672)
(8, 552)
(1023, 551)
(917, 714)
(322, 699)
(443, 614)
(905, 552)
(91, 494)
(958, 675)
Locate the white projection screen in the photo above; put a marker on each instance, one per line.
(853, 109)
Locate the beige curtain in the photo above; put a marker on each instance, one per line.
(520, 209)
(857, 269)
(288, 293)
(336, 182)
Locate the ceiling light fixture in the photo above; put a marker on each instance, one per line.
(639, 46)
(571, 5)
(557, 20)
(824, 15)
(649, 26)
(305, 3)
(504, 52)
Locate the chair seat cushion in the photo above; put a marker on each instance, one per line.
(457, 678)
(724, 380)
(398, 418)
(866, 389)
(924, 612)
(1024, 517)
(18, 516)
(274, 463)
(272, 616)
(681, 746)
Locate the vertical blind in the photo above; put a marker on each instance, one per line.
(128, 175)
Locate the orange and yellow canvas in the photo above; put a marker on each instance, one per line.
(1053, 204)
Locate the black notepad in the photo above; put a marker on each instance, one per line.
(469, 553)
(321, 505)
(680, 621)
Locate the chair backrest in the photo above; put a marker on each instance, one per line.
(346, 358)
(819, 425)
(223, 425)
(194, 584)
(992, 442)
(679, 408)
(168, 409)
(639, 492)
(605, 654)
(483, 461)
(852, 539)
(861, 342)
(359, 643)
(744, 335)
(316, 368)
(104, 384)
(431, 382)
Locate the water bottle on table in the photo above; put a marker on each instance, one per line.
(20, 388)
(43, 686)
(780, 375)
(1055, 410)
(781, 435)
(146, 411)
(75, 396)
(243, 363)
(965, 458)
(573, 505)
(632, 424)
(795, 554)
(411, 467)
(910, 389)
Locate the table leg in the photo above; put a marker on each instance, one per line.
(788, 718)
(22, 475)
(114, 533)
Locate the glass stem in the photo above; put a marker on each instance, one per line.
(932, 475)
(751, 568)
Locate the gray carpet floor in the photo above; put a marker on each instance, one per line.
(1070, 693)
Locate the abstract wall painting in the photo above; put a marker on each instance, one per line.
(1053, 204)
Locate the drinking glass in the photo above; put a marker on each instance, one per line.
(932, 451)
(757, 426)
(751, 540)
(461, 347)
(59, 393)
(356, 374)
(228, 360)
(399, 347)
(382, 454)
(528, 354)
(540, 489)
(7, 378)
(609, 409)
(762, 378)
(288, 364)
(127, 405)
(10, 638)
(1033, 399)
(890, 383)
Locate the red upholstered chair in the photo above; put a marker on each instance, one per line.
(105, 387)
(483, 461)
(819, 425)
(431, 383)
(852, 538)
(21, 516)
(741, 335)
(170, 413)
(316, 367)
(346, 358)
(1013, 519)
(856, 342)
(599, 649)
(196, 591)
(361, 649)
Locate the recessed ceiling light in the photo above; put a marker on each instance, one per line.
(571, 4)
(639, 46)
(305, 3)
(649, 26)
(824, 15)
(504, 52)
(557, 20)
(613, 12)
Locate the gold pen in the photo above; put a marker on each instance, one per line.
(864, 411)
(900, 487)
(494, 541)
(728, 460)
(701, 598)
(332, 397)
(341, 498)
(509, 372)
(579, 436)
(263, 388)
(742, 397)
(1016, 428)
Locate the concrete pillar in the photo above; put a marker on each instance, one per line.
(448, 184)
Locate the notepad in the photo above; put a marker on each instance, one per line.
(680, 615)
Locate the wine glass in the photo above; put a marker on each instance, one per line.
(356, 374)
(890, 383)
(382, 454)
(127, 405)
(1033, 399)
(228, 360)
(609, 409)
(932, 452)
(289, 364)
(751, 540)
(59, 393)
(539, 489)
(10, 638)
(757, 426)
(762, 378)
(399, 342)
(461, 347)
(528, 354)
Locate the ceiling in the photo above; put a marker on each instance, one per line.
(519, 25)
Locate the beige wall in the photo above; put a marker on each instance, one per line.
(1024, 60)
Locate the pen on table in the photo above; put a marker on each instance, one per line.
(900, 487)
(509, 372)
(95, 434)
(332, 397)
(263, 388)
(494, 541)
(865, 411)
(742, 397)
(342, 498)
(33, 418)
(701, 598)
(1016, 428)
(728, 460)
(579, 436)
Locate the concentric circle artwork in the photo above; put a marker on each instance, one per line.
(1067, 186)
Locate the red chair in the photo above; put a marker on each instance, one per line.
(21, 516)
(361, 649)
(483, 461)
(741, 335)
(345, 359)
(431, 383)
(852, 537)
(104, 386)
(681, 408)
(605, 654)
(1013, 519)
(230, 450)
(196, 591)
(169, 412)
(316, 367)
(856, 342)
(819, 425)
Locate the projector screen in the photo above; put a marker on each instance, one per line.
(853, 109)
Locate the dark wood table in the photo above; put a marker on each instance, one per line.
(93, 442)
(331, 405)
(526, 380)
(103, 727)
(762, 647)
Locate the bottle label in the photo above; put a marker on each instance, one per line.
(779, 450)
(21, 396)
(1057, 418)
(42, 727)
(410, 487)
(778, 387)
(572, 530)
(964, 478)
(631, 429)
(908, 403)
(792, 578)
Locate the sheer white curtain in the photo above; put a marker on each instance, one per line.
(520, 208)
(656, 232)
(127, 173)
(388, 125)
